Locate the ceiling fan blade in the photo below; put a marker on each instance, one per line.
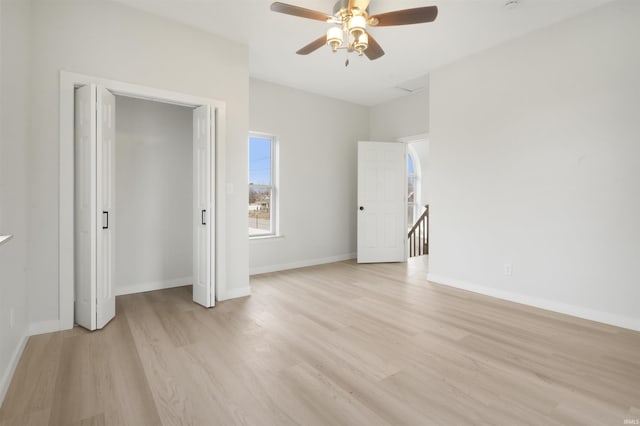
(290, 9)
(418, 15)
(373, 51)
(313, 46)
(360, 4)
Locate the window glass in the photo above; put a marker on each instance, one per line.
(411, 192)
(259, 161)
(262, 192)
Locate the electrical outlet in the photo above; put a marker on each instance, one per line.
(12, 315)
(507, 269)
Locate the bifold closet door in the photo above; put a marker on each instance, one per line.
(203, 293)
(105, 194)
(85, 225)
(95, 303)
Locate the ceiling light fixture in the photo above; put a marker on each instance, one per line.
(353, 29)
(350, 20)
(334, 38)
(361, 43)
(357, 25)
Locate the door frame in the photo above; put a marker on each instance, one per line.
(68, 82)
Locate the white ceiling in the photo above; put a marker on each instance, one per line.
(462, 28)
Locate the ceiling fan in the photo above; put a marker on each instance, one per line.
(350, 19)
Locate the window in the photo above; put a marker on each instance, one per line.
(262, 189)
(412, 207)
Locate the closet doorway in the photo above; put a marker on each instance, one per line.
(144, 197)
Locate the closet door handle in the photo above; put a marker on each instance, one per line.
(105, 215)
(202, 213)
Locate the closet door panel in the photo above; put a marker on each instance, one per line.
(106, 217)
(203, 293)
(85, 227)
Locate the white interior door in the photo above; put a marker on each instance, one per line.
(85, 228)
(203, 291)
(105, 149)
(382, 202)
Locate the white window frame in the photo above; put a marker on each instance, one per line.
(273, 187)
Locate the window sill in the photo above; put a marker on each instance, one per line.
(265, 237)
(5, 238)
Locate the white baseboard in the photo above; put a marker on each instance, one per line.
(300, 264)
(43, 327)
(234, 293)
(154, 285)
(549, 305)
(5, 381)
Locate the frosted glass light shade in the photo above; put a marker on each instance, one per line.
(357, 25)
(361, 43)
(334, 37)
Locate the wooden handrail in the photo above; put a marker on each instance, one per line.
(419, 235)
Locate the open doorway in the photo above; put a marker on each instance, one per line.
(153, 195)
(134, 236)
(99, 96)
(418, 196)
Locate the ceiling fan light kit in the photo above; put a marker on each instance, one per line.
(357, 25)
(334, 38)
(361, 43)
(355, 30)
(350, 19)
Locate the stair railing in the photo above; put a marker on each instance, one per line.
(419, 235)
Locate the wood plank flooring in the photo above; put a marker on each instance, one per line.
(338, 344)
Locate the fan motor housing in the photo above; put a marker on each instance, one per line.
(342, 6)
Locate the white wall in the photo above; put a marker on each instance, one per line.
(318, 141)
(154, 194)
(14, 77)
(404, 117)
(399, 118)
(535, 161)
(109, 40)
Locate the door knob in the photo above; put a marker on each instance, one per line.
(361, 208)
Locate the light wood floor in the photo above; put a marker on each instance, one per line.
(340, 344)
